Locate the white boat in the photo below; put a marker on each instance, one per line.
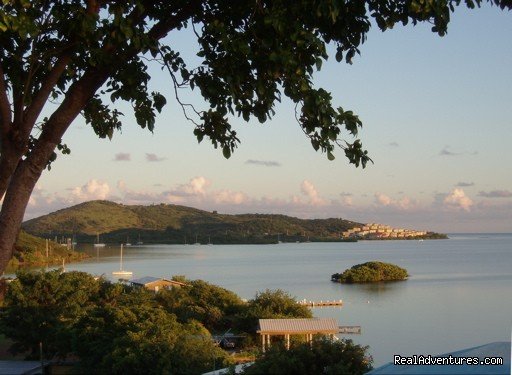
(98, 243)
(139, 242)
(121, 272)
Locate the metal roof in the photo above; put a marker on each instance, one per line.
(145, 280)
(298, 326)
(20, 367)
(151, 279)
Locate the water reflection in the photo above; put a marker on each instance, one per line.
(456, 297)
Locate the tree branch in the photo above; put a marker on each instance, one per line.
(5, 106)
(41, 97)
(162, 28)
(80, 92)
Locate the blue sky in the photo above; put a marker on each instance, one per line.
(437, 119)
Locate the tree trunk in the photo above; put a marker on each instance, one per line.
(18, 194)
(12, 149)
(7, 167)
(13, 208)
(28, 171)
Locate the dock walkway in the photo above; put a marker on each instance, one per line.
(305, 302)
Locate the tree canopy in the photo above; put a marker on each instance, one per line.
(110, 328)
(86, 55)
(114, 328)
(210, 304)
(371, 272)
(319, 357)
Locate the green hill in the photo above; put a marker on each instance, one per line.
(167, 223)
(30, 250)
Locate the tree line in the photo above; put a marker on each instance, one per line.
(114, 328)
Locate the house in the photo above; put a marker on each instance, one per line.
(156, 283)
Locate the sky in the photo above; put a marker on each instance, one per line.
(437, 115)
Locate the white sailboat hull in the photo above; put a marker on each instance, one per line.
(122, 273)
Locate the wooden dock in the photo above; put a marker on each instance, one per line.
(350, 330)
(304, 302)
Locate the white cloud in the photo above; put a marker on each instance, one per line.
(347, 201)
(230, 197)
(309, 190)
(92, 190)
(121, 185)
(457, 199)
(402, 204)
(382, 199)
(196, 187)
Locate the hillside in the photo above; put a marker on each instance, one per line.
(31, 251)
(165, 223)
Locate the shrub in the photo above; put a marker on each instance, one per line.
(371, 272)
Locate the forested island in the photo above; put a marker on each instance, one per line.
(174, 224)
(371, 272)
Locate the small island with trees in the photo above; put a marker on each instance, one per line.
(371, 272)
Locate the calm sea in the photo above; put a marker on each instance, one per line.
(459, 294)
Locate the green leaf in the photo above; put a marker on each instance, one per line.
(226, 151)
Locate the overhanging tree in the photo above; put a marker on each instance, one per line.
(85, 55)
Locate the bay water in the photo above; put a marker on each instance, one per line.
(458, 295)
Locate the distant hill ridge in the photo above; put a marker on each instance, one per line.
(168, 223)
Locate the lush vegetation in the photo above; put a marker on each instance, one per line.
(167, 223)
(322, 357)
(220, 310)
(115, 328)
(371, 272)
(215, 307)
(31, 251)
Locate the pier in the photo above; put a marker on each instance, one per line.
(304, 302)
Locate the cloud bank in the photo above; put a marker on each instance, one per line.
(153, 158)
(495, 194)
(122, 156)
(265, 163)
(451, 211)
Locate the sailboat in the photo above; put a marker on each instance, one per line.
(139, 242)
(121, 272)
(98, 243)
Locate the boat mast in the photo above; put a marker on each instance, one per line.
(121, 259)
